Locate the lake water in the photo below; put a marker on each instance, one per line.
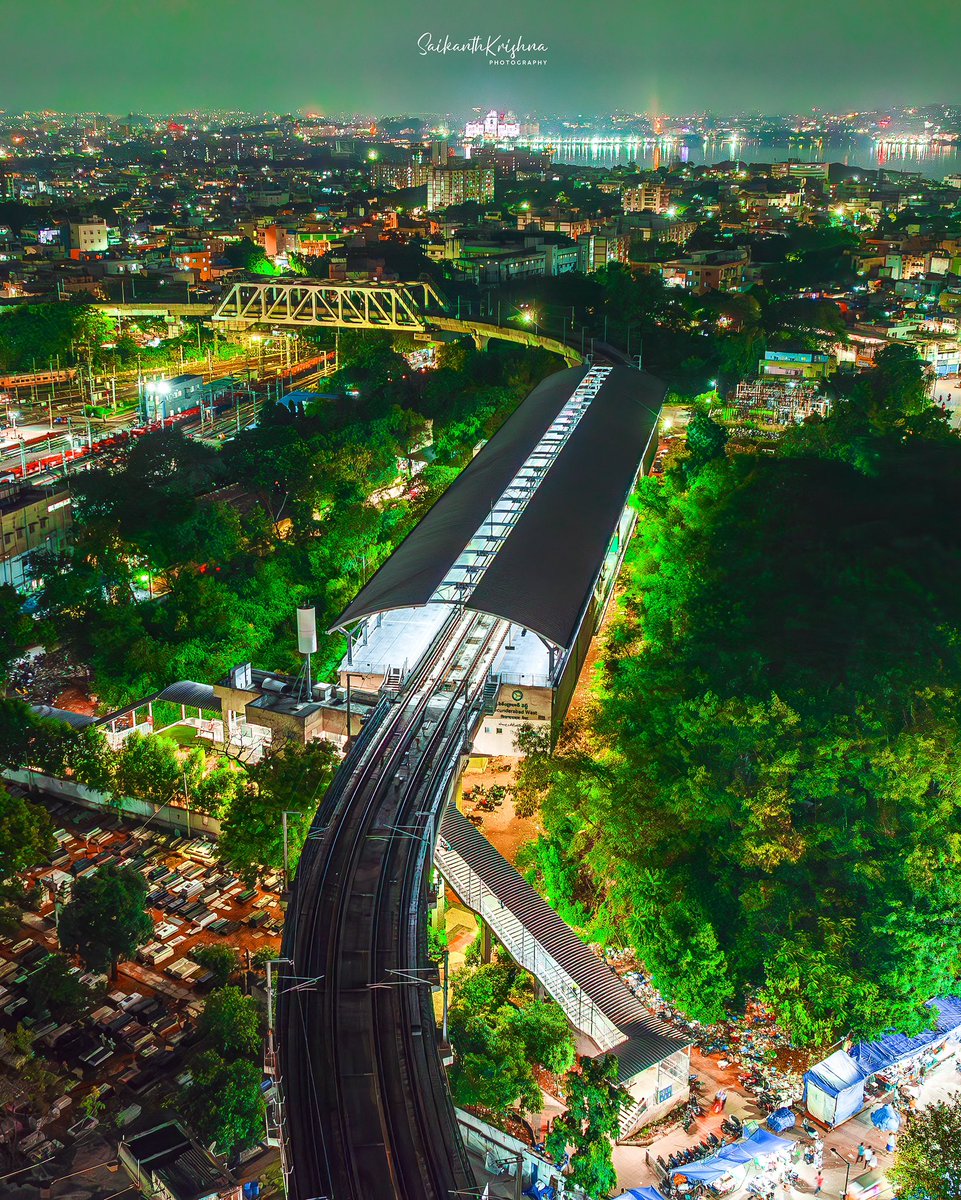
(932, 161)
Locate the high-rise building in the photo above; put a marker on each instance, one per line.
(389, 176)
(649, 197)
(455, 185)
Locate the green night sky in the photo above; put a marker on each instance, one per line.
(285, 55)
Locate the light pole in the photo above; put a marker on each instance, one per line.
(847, 1170)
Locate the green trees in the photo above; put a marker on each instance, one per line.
(55, 989)
(223, 961)
(26, 835)
(231, 576)
(32, 335)
(16, 628)
(105, 921)
(928, 1161)
(223, 1101)
(499, 1032)
(293, 780)
(589, 1126)
(769, 795)
(149, 767)
(231, 1021)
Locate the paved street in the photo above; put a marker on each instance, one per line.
(633, 1163)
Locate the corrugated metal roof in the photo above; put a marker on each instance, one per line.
(184, 691)
(194, 695)
(77, 720)
(649, 1041)
(544, 572)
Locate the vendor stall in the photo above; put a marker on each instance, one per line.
(894, 1049)
(834, 1089)
(728, 1169)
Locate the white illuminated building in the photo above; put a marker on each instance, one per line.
(494, 127)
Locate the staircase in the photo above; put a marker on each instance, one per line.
(489, 695)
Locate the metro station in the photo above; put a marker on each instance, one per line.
(533, 532)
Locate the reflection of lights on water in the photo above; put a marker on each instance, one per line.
(619, 149)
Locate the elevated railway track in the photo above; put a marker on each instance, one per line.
(357, 1033)
(526, 540)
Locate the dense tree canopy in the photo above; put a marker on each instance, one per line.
(16, 628)
(320, 513)
(231, 1021)
(55, 988)
(770, 792)
(589, 1126)
(292, 781)
(499, 1032)
(26, 834)
(928, 1162)
(223, 1102)
(106, 921)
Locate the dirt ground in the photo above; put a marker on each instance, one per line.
(502, 827)
(76, 698)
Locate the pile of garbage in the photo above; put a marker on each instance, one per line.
(770, 1068)
(40, 677)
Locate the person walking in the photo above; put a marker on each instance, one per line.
(818, 1183)
(870, 1158)
(889, 1147)
(860, 1157)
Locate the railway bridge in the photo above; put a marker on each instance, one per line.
(415, 307)
(507, 575)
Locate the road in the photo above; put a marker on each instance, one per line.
(366, 1107)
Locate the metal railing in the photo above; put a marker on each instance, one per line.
(526, 950)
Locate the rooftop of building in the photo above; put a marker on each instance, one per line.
(17, 496)
(523, 531)
(186, 1169)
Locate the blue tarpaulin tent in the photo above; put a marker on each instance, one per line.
(760, 1144)
(834, 1089)
(872, 1057)
(781, 1119)
(886, 1118)
(707, 1170)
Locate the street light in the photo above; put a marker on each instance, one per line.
(847, 1171)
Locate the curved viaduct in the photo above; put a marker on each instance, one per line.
(520, 539)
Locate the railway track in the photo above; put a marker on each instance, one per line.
(365, 1098)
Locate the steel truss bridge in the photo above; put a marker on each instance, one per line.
(392, 306)
(397, 307)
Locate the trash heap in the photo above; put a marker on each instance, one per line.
(771, 1069)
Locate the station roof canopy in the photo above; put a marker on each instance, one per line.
(549, 547)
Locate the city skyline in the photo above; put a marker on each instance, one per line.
(169, 57)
